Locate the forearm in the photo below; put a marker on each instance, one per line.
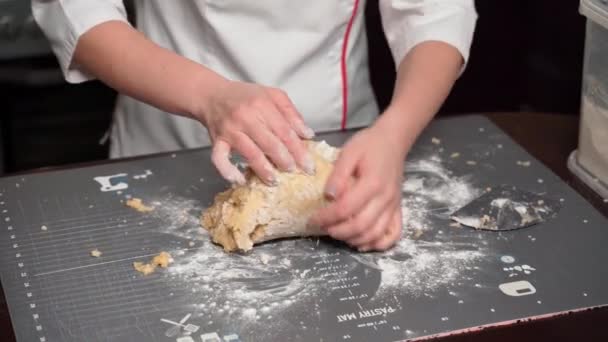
(127, 61)
(424, 80)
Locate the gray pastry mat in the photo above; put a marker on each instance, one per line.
(56, 291)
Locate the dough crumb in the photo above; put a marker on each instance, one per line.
(145, 269)
(163, 259)
(138, 205)
(435, 141)
(95, 253)
(43, 228)
(191, 243)
(471, 162)
(455, 155)
(525, 163)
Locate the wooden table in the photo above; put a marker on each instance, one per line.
(550, 138)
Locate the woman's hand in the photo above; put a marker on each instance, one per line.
(366, 190)
(261, 124)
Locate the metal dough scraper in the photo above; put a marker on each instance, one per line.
(506, 208)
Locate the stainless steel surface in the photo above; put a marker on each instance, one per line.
(506, 207)
(586, 177)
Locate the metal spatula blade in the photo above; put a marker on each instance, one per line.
(506, 208)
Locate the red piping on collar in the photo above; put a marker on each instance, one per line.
(343, 65)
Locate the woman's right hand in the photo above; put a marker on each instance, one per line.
(261, 124)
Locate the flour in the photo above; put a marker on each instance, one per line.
(275, 276)
(248, 289)
(179, 216)
(430, 190)
(430, 194)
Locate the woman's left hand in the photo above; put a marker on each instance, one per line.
(365, 189)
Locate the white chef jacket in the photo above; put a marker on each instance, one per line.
(315, 50)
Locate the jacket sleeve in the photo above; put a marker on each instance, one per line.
(407, 23)
(64, 21)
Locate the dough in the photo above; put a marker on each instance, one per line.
(163, 259)
(95, 253)
(254, 212)
(138, 205)
(145, 269)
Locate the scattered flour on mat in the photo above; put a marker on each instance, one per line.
(416, 267)
(277, 275)
(179, 216)
(271, 277)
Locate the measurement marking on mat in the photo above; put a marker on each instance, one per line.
(27, 284)
(100, 263)
(92, 265)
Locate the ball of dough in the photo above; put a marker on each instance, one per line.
(255, 212)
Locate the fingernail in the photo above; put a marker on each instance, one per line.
(236, 178)
(330, 192)
(307, 131)
(309, 165)
(287, 158)
(271, 179)
(363, 249)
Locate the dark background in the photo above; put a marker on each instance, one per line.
(526, 56)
